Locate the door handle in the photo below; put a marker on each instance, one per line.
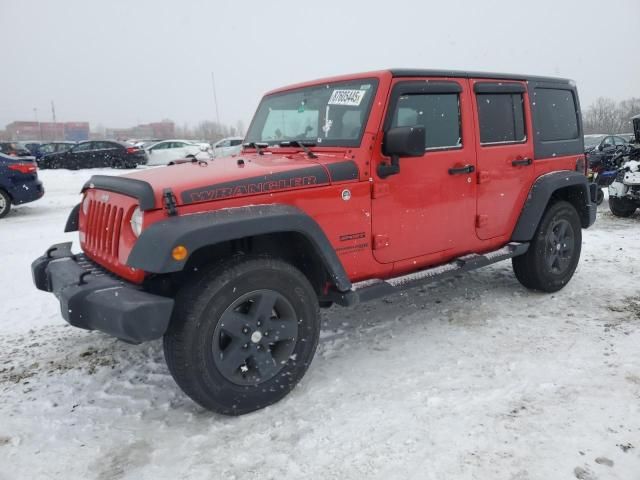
(462, 170)
(521, 162)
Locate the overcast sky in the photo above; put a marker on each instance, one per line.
(119, 63)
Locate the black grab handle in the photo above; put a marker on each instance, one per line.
(462, 170)
(522, 162)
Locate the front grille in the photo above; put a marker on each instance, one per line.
(102, 235)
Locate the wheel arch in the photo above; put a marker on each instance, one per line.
(5, 190)
(279, 230)
(570, 186)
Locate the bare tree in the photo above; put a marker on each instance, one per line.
(605, 116)
(629, 108)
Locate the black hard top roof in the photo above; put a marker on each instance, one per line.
(417, 72)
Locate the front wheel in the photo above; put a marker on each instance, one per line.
(554, 251)
(5, 203)
(622, 207)
(243, 334)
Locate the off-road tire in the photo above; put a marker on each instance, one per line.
(622, 207)
(548, 266)
(203, 303)
(599, 196)
(5, 203)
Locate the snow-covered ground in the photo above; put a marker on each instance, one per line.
(471, 378)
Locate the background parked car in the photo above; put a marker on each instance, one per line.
(227, 146)
(53, 147)
(14, 149)
(602, 148)
(18, 182)
(96, 153)
(31, 145)
(165, 151)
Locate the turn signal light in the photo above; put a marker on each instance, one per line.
(179, 253)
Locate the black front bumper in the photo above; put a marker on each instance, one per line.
(93, 299)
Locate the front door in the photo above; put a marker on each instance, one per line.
(429, 206)
(505, 154)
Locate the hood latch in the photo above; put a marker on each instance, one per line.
(169, 202)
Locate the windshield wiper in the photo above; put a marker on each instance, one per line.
(302, 145)
(257, 145)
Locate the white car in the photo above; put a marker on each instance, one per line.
(165, 151)
(227, 146)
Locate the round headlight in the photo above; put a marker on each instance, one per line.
(136, 222)
(85, 205)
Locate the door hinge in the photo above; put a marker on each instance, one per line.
(379, 190)
(484, 176)
(380, 241)
(482, 221)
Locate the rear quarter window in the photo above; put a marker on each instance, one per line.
(556, 114)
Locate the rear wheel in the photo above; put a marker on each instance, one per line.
(554, 251)
(243, 334)
(622, 207)
(5, 203)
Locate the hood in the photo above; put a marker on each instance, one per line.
(230, 177)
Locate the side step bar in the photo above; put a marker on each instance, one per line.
(372, 289)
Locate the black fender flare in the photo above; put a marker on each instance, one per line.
(73, 220)
(152, 251)
(540, 194)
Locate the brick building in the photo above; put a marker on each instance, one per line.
(48, 131)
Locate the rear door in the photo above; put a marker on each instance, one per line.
(505, 154)
(429, 206)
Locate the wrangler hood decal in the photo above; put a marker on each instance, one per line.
(228, 177)
(300, 177)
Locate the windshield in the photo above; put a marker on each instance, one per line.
(330, 115)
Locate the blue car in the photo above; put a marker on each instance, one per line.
(18, 182)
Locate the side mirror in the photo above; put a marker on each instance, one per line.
(401, 142)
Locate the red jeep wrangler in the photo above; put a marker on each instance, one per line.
(347, 189)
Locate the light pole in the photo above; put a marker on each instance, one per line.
(215, 99)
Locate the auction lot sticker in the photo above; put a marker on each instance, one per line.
(347, 97)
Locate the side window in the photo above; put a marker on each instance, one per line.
(161, 146)
(438, 113)
(607, 142)
(236, 142)
(501, 117)
(223, 144)
(556, 114)
(618, 141)
(83, 147)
